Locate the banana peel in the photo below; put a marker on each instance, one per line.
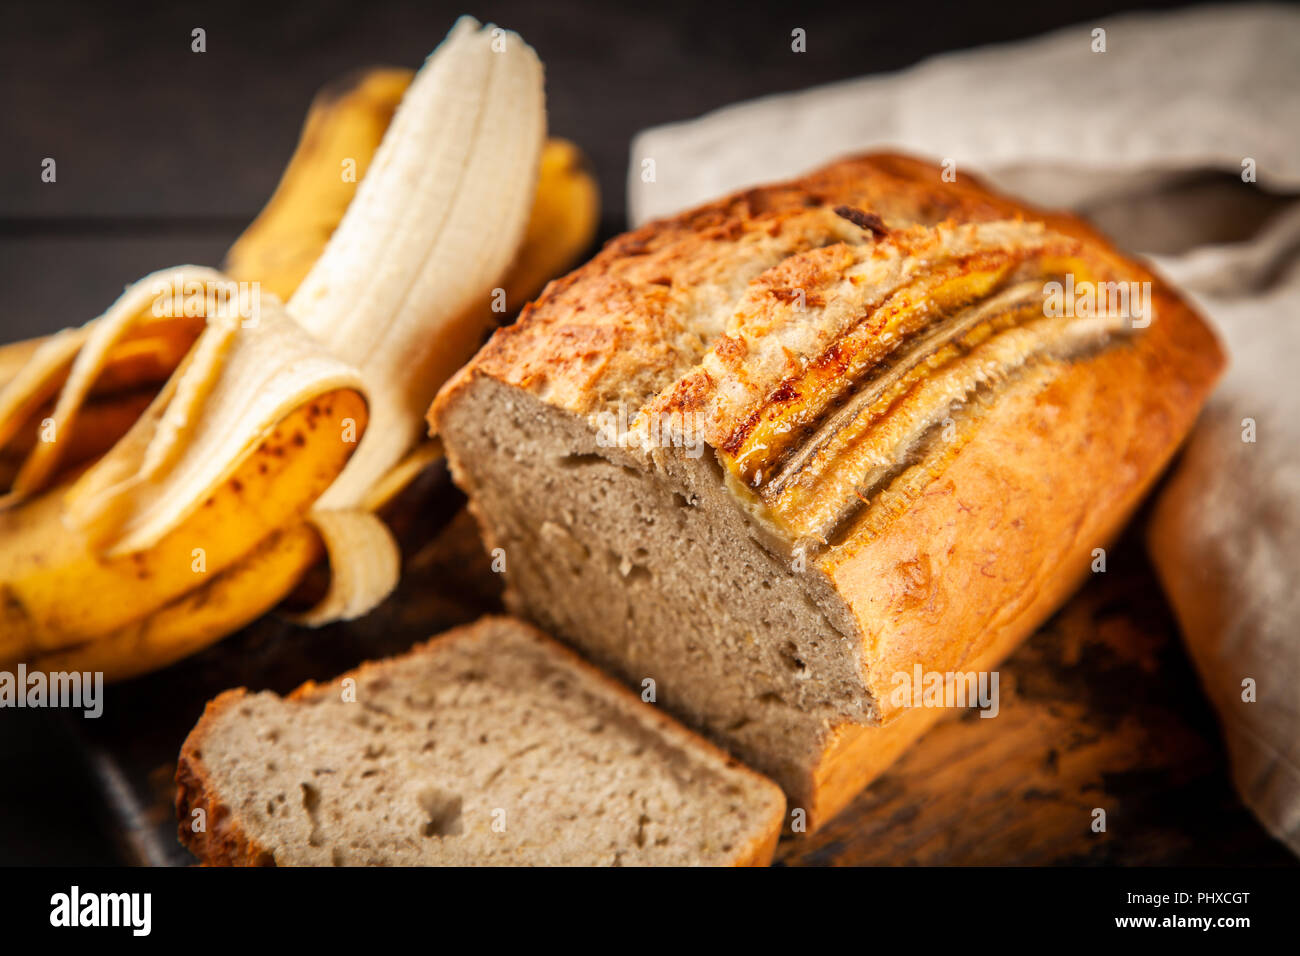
(100, 424)
(41, 424)
(57, 589)
(173, 614)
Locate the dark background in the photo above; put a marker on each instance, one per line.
(164, 155)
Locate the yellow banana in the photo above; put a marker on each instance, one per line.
(17, 354)
(344, 126)
(56, 589)
(202, 616)
(172, 615)
(34, 373)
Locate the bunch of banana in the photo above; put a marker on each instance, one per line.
(173, 476)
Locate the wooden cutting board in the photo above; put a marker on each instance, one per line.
(1099, 710)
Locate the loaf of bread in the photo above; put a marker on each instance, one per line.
(489, 745)
(778, 451)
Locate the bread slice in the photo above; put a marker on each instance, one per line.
(777, 451)
(488, 745)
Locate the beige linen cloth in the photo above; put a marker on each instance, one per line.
(1155, 140)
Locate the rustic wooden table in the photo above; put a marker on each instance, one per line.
(163, 155)
(1100, 709)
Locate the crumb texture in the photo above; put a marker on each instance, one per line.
(660, 578)
(488, 746)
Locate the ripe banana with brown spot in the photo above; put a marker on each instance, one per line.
(417, 257)
(431, 232)
(199, 617)
(57, 588)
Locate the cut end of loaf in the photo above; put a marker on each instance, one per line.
(489, 745)
(649, 566)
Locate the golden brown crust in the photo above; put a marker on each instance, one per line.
(752, 323)
(222, 841)
(625, 324)
(225, 842)
(1068, 451)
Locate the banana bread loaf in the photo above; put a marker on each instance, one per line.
(778, 451)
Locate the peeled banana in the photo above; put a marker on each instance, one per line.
(344, 125)
(209, 508)
(116, 543)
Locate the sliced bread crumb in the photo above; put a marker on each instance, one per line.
(489, 745)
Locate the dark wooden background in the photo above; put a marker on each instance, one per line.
(164, 155)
